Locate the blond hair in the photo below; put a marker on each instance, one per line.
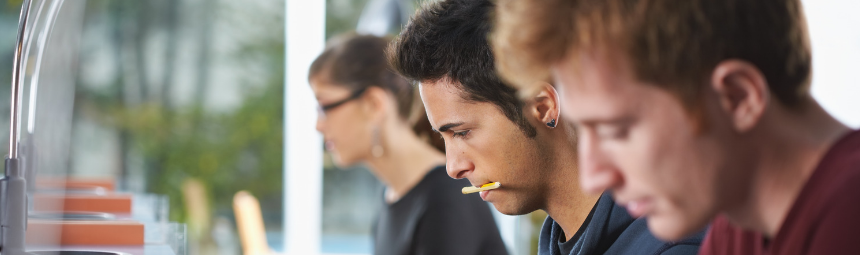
(673, 44)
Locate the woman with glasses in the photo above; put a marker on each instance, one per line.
(369, 115)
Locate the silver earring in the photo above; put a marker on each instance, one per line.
(376, 148)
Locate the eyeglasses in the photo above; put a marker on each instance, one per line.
(327, 107)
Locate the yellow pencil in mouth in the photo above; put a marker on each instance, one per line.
(488, 186)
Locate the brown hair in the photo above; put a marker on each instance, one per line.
(674, 44)
(357, 62)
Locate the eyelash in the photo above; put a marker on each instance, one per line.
(460, 134)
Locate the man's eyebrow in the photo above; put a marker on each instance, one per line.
(448, 126)
(597, 121)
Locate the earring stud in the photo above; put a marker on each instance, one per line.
(551, 123)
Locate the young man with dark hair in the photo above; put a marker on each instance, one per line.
(492, 136)
(696, 111)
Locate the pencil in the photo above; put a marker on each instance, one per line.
(488, 186)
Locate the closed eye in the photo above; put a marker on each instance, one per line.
(460, 133)
(613, 132)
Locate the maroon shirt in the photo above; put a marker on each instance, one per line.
(825, 218)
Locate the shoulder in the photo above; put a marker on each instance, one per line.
(838, 172)
(443, 198)
(828, 204)
(453, 223)
(546, 237)
(837, 227)
(689, 245)
(442, 190)
(725, 238)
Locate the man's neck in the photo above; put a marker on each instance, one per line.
(791, 145)
(566, 203)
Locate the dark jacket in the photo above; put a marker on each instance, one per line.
(609, 229)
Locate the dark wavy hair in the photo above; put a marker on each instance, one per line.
(448, 40)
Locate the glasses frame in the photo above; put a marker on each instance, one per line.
(324, 108)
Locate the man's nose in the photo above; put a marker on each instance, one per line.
(457, 163)
(596, 172)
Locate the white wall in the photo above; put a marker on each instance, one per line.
(834, 27)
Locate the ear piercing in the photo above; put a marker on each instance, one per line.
(551, 123)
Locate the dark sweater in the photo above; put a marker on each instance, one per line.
(435, 218)
(609, 229)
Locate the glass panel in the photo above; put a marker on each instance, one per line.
(178, 104)
(185, 98)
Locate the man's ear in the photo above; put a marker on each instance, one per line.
(545, 106)
(742, 92)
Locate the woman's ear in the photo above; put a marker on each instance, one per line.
(376, 103)
(545, 106)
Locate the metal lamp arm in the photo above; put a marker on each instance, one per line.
(13, 187)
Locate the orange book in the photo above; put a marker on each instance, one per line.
(110, 203)
(53, 232)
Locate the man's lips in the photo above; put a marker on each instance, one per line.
(639, 207)
(485, 187)
(484, 194)
(478, 185)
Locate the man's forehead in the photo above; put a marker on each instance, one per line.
(443, 86)
(445, 103)
(590, 71)
(594, 88)
(443, 92)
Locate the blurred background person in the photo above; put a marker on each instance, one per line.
(368, 114)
